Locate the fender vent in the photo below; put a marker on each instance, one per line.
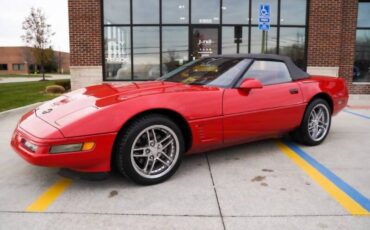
(201, 132)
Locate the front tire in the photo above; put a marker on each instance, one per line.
(150, 150)
(315, 125)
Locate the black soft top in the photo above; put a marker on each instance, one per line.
(295, 72)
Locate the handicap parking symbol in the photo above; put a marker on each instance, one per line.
(264, 10)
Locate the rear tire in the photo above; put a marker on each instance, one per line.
(315, 125)
(150, 150)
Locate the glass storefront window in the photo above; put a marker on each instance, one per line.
(205, 11)
(363, 17)
(235, 11)
(292, 44)
(293, 12)
(257, 44)
(191, 29)
(228, 42)
(361, 68)
(116, 12)
(146, 52)
(145, 11)
(175, 11)
(273, 9)
(175, 47)
(117, 53)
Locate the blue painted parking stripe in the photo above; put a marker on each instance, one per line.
(350, 191)
(357, 114)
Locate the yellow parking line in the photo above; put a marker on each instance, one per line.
(49, 196)
(340, 196)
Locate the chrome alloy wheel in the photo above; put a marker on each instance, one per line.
(155, 151)
(318, 122)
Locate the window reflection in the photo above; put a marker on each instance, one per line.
(293, 12)
(363, 18)
(116, 12)
(146, 52)
(361, 69)
(175, 11)
(269, 46)
(228, 42)
(292, 44)
(273, 9)
(175, 45)
(145, 11)
(268, 72)
(235, 11)
(117, 53)
(205, 12)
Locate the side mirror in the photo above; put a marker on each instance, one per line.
(250, 83)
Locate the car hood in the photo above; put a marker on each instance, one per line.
(80, 103)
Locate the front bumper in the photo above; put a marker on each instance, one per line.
(95, 160)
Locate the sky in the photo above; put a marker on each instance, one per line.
(13, 12)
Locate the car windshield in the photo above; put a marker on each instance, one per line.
(216, 71)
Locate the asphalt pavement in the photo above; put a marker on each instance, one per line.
(271, 184)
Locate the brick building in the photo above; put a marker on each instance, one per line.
(19, 60)
(133, 40)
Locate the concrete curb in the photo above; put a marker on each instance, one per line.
(19, 110)
(359, 100)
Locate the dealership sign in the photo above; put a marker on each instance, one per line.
(264, 17)
(205, 47)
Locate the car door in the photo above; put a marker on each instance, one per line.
(277, 107)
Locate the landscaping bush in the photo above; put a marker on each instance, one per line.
(65, 83)
(55, 89)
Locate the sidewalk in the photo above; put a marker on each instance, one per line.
(359, 101)
(29, 79)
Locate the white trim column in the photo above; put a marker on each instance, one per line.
(82, 76)
(323, 71)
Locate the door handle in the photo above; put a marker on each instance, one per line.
(293, 91)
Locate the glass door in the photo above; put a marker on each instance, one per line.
(204, 42)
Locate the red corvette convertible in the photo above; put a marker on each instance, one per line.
(144, 129)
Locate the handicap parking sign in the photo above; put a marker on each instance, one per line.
(264, 10)
(264, 16)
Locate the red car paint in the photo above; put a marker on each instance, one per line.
(217, 117)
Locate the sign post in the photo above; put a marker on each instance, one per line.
(264, 19)
(238, 34)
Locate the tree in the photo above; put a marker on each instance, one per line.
(38, 35)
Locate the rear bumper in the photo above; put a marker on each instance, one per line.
(95, 160)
